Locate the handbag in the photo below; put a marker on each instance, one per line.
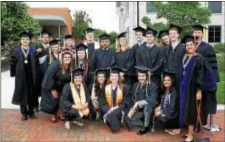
(201, 137)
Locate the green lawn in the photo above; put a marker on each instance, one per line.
(221, 89)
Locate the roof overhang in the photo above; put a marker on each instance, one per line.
(50, 20)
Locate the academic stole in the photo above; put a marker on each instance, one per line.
(79, 100)
(109, 95)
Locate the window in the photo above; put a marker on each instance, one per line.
(150, 7)
(214, 34)
(215, 6)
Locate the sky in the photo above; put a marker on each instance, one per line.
(103, 14)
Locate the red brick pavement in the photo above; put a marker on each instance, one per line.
(42, 129)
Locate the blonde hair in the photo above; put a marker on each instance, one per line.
(120, 82)
(118, 46)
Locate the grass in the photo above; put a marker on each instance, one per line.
(221, 89)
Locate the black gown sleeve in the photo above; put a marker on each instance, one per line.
(13, 62)
(113, 59)
(152, 95)
(92, 62)
(159, 61)
(102, 102)
(66, 99)
(48, 81)
(130, 61)
(200, 72)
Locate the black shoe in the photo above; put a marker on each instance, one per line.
(143, 131)
(32, 116)
(24, 117)
(127, 122)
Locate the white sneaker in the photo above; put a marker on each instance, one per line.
(67, 125)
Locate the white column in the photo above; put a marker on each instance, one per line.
(59, 31)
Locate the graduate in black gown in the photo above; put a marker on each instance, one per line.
(104, 57)
(96, 89)
(23, 66)
(151, 57)
(139, 34)
(164, 37)
(125, 59)
(75, 100)
(207, 51)
(57, 75)
(43, 52)
(143, 101)
(90, 42)
(69, 43)
(82, 60)
(191, 85)
(113, 102)
(166, 114)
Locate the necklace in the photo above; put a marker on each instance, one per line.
(25, 55)
(185, 64)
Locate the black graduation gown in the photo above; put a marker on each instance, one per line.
(91, 49)
(190, 82)
(139, 94)
(125, 60)
(102, 58)
(53, 80)
(135, 49)
(113, 120)
(67, 102)
(153, 59)
(25, 77)
(169, 117)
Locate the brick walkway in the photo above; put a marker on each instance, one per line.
(42, 129)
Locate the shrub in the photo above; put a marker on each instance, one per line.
(219, 48)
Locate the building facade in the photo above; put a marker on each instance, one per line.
(127, 12)
(57, 21)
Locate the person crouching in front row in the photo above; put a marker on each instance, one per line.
(75, 100)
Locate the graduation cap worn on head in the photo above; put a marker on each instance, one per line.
(198, 27)
(142, 69)
(162, 33)
(139, 29)
(121, 35)
(116, 70)
(54, 41)
(77, 72)
(89, 30)
(68, 36)
(66, 51)
(151, 31)
(26, 34)
(104, 37)
(188, 38)
(46, 33)
(81, 46)
(178, 28)
(101, 71)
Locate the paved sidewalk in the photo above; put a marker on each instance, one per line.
(42, 129)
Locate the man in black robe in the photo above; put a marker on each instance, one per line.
(173, 54)
(207, 51)
(42, 52)
(75, 100)
(164, 37)
(104, 57)
(139, 33)
(24, 64)
(143, 101)
(151, 57)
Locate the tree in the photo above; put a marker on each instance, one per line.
(14, 21)
(157, 26)
(81, 22)
(183, 13)
(113, 38)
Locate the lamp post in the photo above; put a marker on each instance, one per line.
(137, 13)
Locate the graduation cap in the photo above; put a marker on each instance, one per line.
(139, 29)
(151, 31)
(89, 30)
(163, 33)
(81, 46)
(178, 28)
(188, 38)
(68, 36)
(116, 70)
(78, 72)
(66, 51)
(101, 71)
(142, 69)
(123, 34)
(46, 33)
(104, 36)
(54, 41)
(26, 34)
(198, 27)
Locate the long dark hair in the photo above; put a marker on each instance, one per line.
(172, 83)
